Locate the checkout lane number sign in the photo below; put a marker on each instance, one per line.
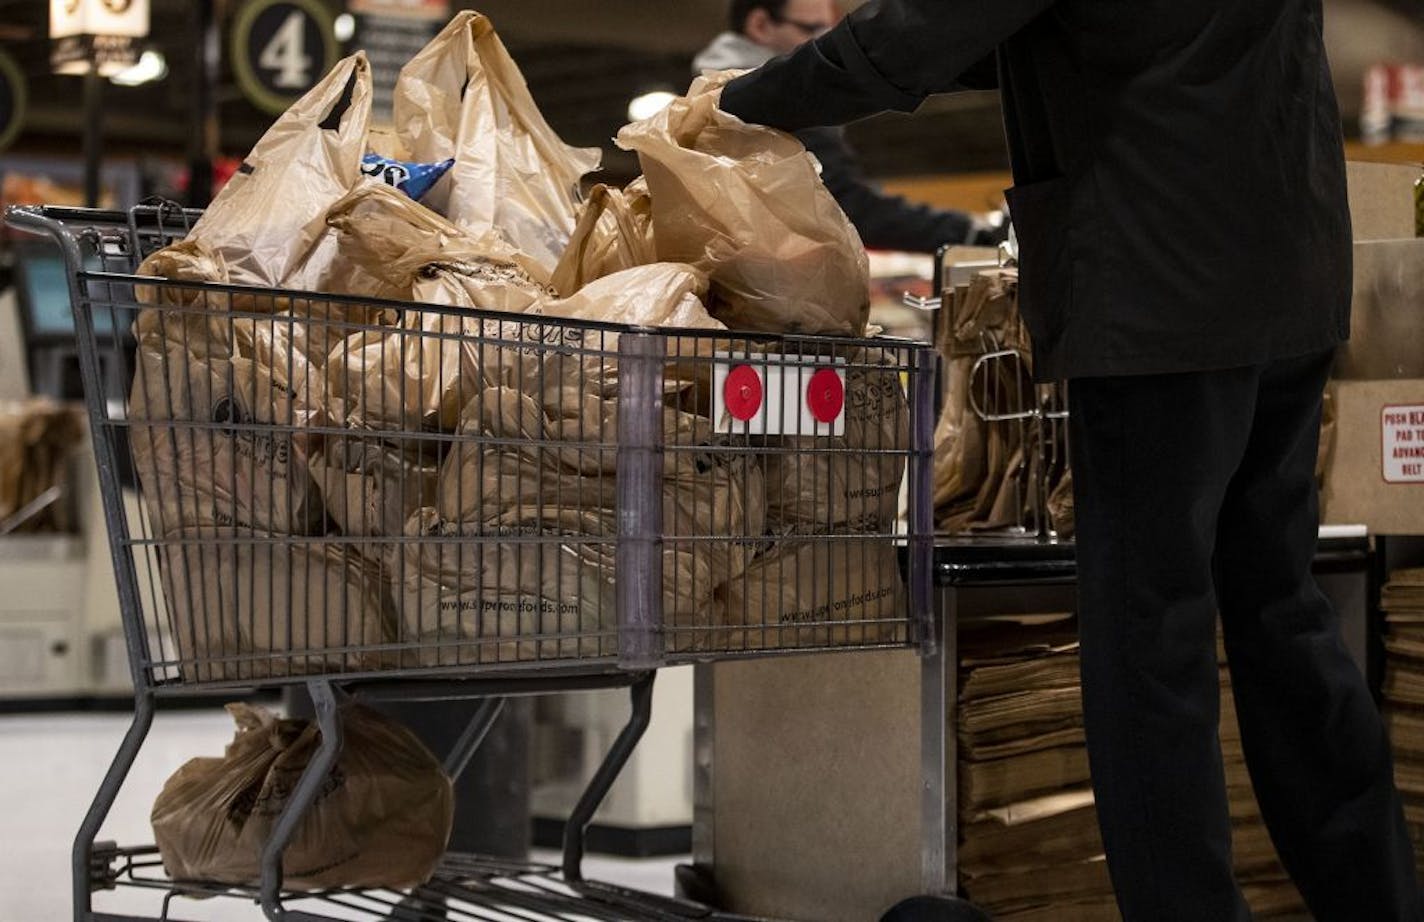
(281, 49)
(12, 99)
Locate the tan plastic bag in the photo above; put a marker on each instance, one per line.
(856, 485)
(268, 219)
(370, 488)
(614, 232)
(420, 373)
(534, 599)
(283, 608)
(745, 203)
(813, 594)
(382, 819)
(192, 370)
(463, 96)
(491, 600)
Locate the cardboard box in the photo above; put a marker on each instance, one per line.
(1375, 472)
(1382, 200)
(1387, 315)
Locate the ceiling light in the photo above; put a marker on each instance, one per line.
(151, 66)
(649, 104)
(344, 27)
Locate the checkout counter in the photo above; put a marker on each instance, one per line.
(61, 639)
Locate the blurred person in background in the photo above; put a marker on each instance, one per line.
(762, 29)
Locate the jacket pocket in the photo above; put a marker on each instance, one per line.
(1042, 213)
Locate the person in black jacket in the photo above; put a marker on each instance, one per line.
(1185, 261)
(761, 29)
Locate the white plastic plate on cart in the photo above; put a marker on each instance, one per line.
(765, 394)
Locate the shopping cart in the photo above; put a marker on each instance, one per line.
(407, 501)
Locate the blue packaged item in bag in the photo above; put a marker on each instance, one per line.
(414, 179)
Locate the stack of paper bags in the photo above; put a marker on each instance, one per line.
(1029, 846)
(1403, 602)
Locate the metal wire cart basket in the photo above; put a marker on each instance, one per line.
(389, 500)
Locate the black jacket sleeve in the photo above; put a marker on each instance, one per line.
(887, 54)
(885, 222)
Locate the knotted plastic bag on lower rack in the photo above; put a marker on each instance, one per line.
(381, 819)
(249, 605)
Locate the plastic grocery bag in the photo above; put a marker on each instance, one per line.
(463, 96)
(614, 231)
(382, 819)
(266, 221)
(852, 483)
(812, 594)
(371, 488)
(498, 597)
(196, 369)
(746, 204)
(246, 604)
(421, 372)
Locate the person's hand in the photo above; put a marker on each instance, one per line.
(989, 230)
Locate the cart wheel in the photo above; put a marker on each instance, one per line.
(694, 882)
(935, 909)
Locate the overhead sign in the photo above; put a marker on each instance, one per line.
(391, 32)
(12, 99)
(100, 35)
(438, 10)
(281, 49)
(124, 18)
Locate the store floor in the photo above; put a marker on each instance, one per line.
(50, 766)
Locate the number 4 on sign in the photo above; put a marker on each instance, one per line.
(286, 54)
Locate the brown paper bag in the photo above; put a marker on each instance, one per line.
(290, 609)
(746, 204)
(382, 819)
(614, 232)
(463, 96)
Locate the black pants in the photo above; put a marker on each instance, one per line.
(1195, 494)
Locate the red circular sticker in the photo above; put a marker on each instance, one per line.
(742, 392)
(825, 395)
